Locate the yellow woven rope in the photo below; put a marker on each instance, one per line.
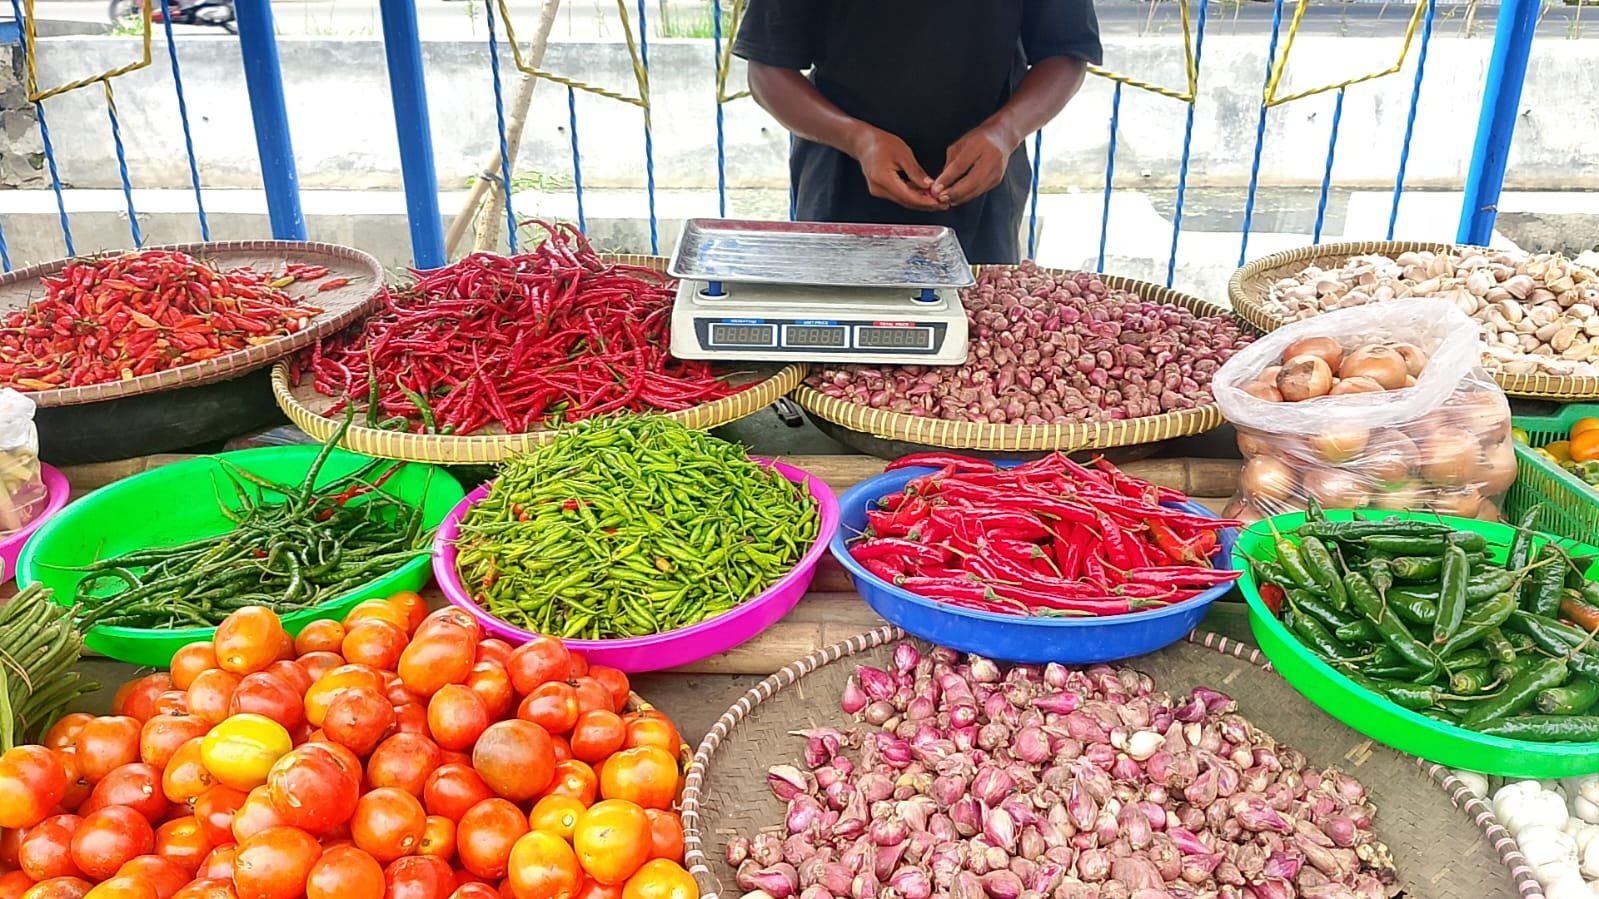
(30, 59)
(1190, 68)
(641, 76)
(1281, 66)
(724, 64)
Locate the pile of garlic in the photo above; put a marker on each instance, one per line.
(1556, 824)
(1539, 314)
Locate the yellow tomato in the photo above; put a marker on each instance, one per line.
(1560, 450)
(1585, 446)
(240, 751)
(1520, 434)
(1583, 425)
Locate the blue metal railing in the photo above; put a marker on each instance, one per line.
(408, 88)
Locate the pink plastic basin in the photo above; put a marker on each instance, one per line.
(673, 648)
(58, 491)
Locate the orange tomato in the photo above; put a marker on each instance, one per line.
(374, 643)
(330, 685)
(209, 888)
(556, 814)
(492, 683)
(552, 706)
(652, 729)
(575, 779)
(326, 635)
(14, 883)
(516, 759)
(317, 664)
(494, 650)
(1585, 446)
(185, 776)
(1583, 426)
(666, 834)
(248, 640)
(661, 879)
(209, 695)
(597, 734)
(438, 838)
(380, 610)
(183, 842)
(542, 866)
(275, 864)
(161, 874)
(188, 662)
(345, 872)
(457, 716)
(413, 605)
(646, 775)
(487, 833)
(64, 733)
(593, 889)
(612, 840)
(539, 660)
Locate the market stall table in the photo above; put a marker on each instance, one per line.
(697, 694)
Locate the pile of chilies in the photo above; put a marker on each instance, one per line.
(1050, 537)
(555, 334)
(970, 782)
(115, 319)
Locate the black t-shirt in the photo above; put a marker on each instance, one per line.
(927, 71)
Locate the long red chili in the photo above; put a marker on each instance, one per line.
(517, 343)
(120, 317)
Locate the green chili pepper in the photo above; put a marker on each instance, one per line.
(1357, 631)
(1543, 728)
(1429, 545)
(1293, 564)
(1577, 696)
(1451, 596)
(1415, 611)
(1470, 658)
(1519, 693)
(1359, 529)
(1470, 681)
(1541, 590)
(1521, 545)
(1313, 605)
(1389, 628)
(1417, 568)
(1323, 571)
(1494, 641)
(1478, 622)
(1315, 635)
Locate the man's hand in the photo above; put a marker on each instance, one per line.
(892, 172)
(973, 166)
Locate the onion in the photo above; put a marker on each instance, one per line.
(1254, 443)
(1382, 364)
(1265, 477)
(1481, 412)
(1402, 498)
(1336, 488)
(1261, 390)
(1324, 347)
(1415, 359)
(1462, 503)
(1361, 384)
(1304, 378)
(1340, 445)
(1499, 472)
(1450, 458)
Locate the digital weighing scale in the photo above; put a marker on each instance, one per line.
(812, 292)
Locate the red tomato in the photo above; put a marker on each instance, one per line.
(389, 823)
(59, 888)
(376, 644)
(32, 783)
(269, 696)
(450, 618)
(404, 761)
(492, 683)
(411, 718)
(183, 842)
(106, 839)
(294, 674)
(219, 864)
(666, 834)
(78, 786)
(64, 733)
(275, 863)
(10, 843)
(105, 744)
(317, 664)
(597, 734)
(122, 888)
(46, 849)
(172, 702)
(326, 635)
(215, 888)
(578, 667)
(494, 650)
(311, 789)
(562, 749)
(614, 681)
(248, 640)
(515, 759)
(256, 815)
(419, 877)
(486, 834)
(139, 702)
(358, 718)
(574, 779)
(452, 789)
(475, 891)
(538, 661)
(552, 706)
(163, 734)
(438, 838)
(214, 810)
(442, 652)
(457, 716)
(591, 694)
(345, 872)
(13, 884)
(137, 786)
(165, 877)
(211, 692)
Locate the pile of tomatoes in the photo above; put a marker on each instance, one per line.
(396, 753)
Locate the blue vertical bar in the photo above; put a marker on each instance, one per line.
(577, 160)
(499, 121)
(721, 127)
(183, 117)
(1260, 132)
(49, 148)
(1326, 175)
(649, 138)
(1188, 143)
(1032, 211)
(1110, 172)
(258, 45)
(1501, 101)
(402, 45)
(1410, 119)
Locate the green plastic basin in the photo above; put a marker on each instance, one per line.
(177, 503)
(1374, 715)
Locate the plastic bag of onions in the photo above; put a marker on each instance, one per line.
(1383, 406)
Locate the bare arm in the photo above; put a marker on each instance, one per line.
(975, 164)
(890, 167)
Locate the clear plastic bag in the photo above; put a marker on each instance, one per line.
(22, 493)
(1442, 445)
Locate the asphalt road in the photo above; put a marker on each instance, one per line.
(597, 19)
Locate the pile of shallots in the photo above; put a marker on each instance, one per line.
(971, 782)
(1048, 349)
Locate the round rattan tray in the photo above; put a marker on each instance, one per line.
(341, 306)
(307, 409)
(1445, 841)
(1250, 288)
(897, 427)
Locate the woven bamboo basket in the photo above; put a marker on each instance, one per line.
(983, 437)
(1250, 289)
(308, 410)
(1445, 841)
(341, 306)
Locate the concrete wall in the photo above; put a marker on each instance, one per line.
(344, 132)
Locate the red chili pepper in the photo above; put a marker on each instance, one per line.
(1273, 596)
(332, 284)
(948, 461)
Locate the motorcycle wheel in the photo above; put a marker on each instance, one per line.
(121, 10)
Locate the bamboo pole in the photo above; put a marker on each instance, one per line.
(486, 190)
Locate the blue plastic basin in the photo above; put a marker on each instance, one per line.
(1077, 641)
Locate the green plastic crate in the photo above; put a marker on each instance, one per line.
(1570, 508)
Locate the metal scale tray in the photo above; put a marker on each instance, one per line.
(820, 255)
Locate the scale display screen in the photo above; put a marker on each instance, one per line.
(743, 335)
(894, 338)
(816, 336)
